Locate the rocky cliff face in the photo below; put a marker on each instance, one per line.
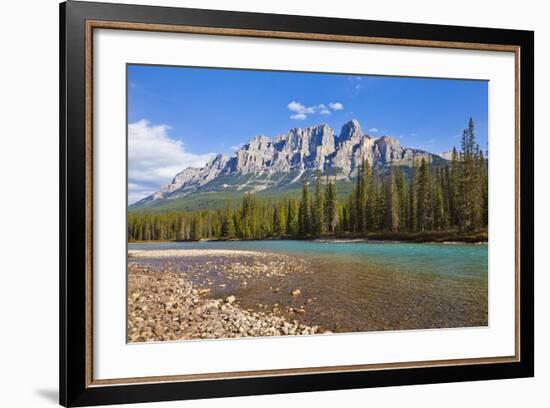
(190, 179)
(299, 151)
(352, 144)
(448, 155)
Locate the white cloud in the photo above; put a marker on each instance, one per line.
(301, 112)
(236, 147)
(154, 158)
(336, 106)
(373, 130)
(323, 110)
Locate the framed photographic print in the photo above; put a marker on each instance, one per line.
(255, 203)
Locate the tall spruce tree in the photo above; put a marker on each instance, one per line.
(318, 209)
(455, 206)
(331, 206)
(401, 183)
(413, 199)
(228, 225)
(424, 204)
(304, 213)
(439, 213)
(364, 181)
(469, 183)
(484, 184)
(292, 223)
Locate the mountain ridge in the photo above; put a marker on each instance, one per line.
(265, 163)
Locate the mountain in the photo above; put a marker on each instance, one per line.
(448, 155)
(281, 163)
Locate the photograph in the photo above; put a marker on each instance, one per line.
(262, 202)
(279, 203)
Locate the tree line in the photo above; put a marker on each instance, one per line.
(431, 198)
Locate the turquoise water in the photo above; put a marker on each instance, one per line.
(354, 286)
(458, 260)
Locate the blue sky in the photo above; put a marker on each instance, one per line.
(201, 111)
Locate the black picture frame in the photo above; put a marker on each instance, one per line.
(75, 389)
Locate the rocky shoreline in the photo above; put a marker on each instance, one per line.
(164, 305)
(428, 237)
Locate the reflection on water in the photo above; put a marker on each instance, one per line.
(352, 286)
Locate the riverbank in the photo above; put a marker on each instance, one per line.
(417, 237)
(192, 290)
(165, 305)
(432, 236)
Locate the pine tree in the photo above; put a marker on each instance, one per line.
(338, 224)
(352, 211)
(363, 184)
(228, 225)
(358, 203)
(304, 213)
(440, 216)
(318, 209)
(477, 182)
(455, 207)
(424, 207)
(445, 191)
(292, 218)
(470, 199)
(279, 220)
(331, 210)
(196, 227)
(393, 201)
(413, 199)
(380, 207)
(484, 181)
(401, 184)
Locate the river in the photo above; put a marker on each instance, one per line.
(352, 286)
